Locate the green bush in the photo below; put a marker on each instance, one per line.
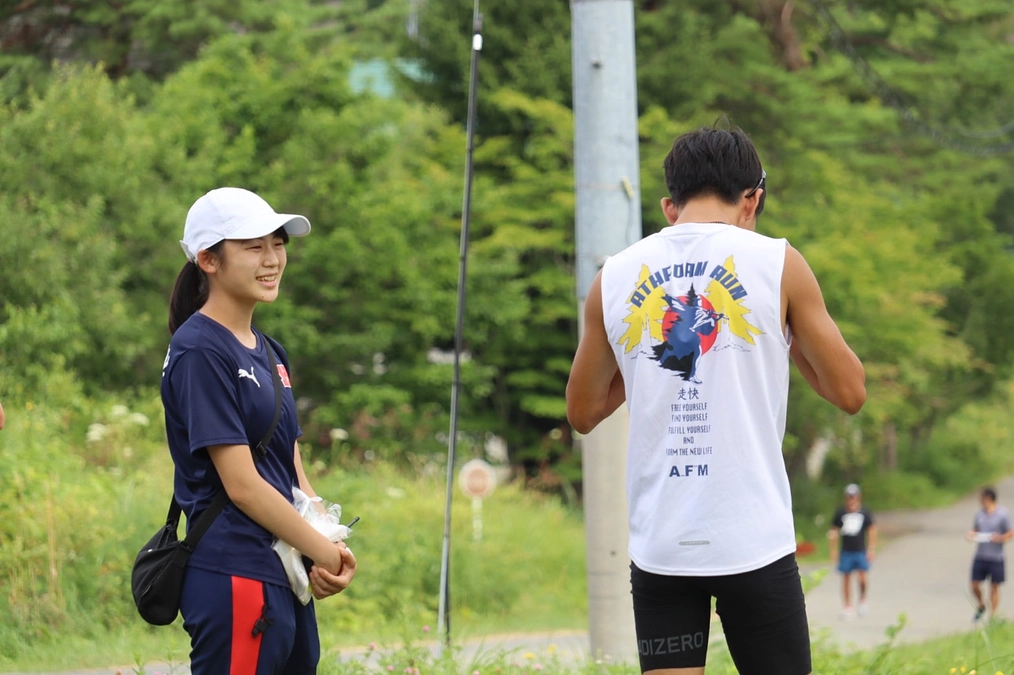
(900, 489)
(69, 515)
(77, 499)
(397, 544)
(83, 486)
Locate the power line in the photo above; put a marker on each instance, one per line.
(899, 102)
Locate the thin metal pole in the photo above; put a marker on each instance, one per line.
(443, 617)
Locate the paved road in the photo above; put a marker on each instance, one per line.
(921, 571)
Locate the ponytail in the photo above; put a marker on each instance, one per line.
(189, 294)
(190, 291)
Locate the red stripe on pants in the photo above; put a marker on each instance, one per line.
(247, 606)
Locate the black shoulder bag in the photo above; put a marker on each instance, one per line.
(156, 580)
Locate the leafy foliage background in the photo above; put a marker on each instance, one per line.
(885, 129)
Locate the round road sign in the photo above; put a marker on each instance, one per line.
(477, 479)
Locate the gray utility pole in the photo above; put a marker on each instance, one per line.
(607, 180)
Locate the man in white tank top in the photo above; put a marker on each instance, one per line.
(694, 328)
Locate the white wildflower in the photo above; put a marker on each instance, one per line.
(96, 432)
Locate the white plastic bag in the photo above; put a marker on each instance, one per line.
(325, 517)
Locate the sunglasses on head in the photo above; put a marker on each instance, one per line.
(760, 184)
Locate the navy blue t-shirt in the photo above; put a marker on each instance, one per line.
(218, 392)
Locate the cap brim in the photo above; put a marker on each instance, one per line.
(296, 226)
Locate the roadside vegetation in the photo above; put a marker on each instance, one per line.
(983, 652)
(885, 132)
(78, 499)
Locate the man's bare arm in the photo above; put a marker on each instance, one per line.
(818, 348)
(595, 388)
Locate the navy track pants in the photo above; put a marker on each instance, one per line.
(241, 626)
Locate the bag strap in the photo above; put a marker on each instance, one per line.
(259, 451)
(204, 522)
(261, 448)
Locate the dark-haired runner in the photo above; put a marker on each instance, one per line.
(991, 529)
(693, 327)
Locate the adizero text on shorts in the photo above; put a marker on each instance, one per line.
(763, 616)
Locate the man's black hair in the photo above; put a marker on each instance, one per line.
(713, 162)
(989, 492)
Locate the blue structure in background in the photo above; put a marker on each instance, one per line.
(375, 76)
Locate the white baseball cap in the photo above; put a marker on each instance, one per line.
(234, 213)
(852, 490)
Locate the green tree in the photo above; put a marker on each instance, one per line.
(866, 165)
(895, 190)
(523, 50)
(144, 41)
(79, 213)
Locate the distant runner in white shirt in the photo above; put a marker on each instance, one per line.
(991, 529)
(693, 327)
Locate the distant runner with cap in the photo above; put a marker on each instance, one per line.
(853, 526)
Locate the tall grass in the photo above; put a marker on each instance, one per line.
(77, 500)
(80, 492)
(988, 651)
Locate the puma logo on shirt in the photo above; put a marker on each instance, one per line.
(249, 375)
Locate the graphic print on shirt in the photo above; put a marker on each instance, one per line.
(249, 375)
(852, 524)
(677, 316)
(688, 332)
(682, 327)
(283, 375)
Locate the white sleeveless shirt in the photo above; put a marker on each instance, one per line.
(693, 314)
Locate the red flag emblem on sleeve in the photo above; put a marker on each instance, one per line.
(283, 375)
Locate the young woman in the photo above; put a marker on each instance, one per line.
(219, 399)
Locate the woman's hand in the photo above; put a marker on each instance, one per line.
(324, 584)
